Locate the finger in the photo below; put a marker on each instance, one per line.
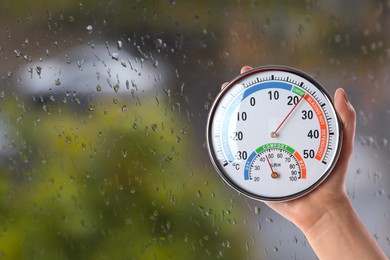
(245, 68)
(224, 85)
(348, 118)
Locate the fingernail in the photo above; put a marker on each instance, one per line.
(342, 92)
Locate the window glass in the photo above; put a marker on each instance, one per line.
(103, 110)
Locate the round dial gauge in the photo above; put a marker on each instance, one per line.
(273, 133)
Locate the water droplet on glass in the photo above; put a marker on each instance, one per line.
(99, 88)
(167, 92)
(38, 70)
(257, 210)
(168, 225)
(159, 43)
(380, 192)
(115, 56)
(57, 82)
(119, 44)
(91, 107)
(129, 221)
(116, 87)
(384, 142)
(124, 108)
(18, 53)
(155, 64)
(206, 105)
(124, 153)
(89, 28)
(168, 158)
(226, 54)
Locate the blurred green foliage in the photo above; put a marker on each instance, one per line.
(115, 182)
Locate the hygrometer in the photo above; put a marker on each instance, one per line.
(273, 133)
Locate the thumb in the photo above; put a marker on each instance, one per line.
(348, 120)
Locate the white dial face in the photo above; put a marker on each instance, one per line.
(273, 133)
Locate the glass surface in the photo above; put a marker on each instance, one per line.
(103, 109)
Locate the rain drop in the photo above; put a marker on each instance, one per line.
(89, 28)
(129, 221)
(116, 87)
(380, 192)
(38, 70)
(119, 44)
(159, 43)
(91, 107)
(206, 105)
(18, 53)
(124, 153)
(115, 56)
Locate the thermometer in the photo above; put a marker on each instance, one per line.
(273, 133)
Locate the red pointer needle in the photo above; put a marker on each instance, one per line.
(274, 174)
(275, 133)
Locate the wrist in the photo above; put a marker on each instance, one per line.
(339, 233)
(317, 214)
(335, 210)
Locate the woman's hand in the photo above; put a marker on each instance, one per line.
(325, 215)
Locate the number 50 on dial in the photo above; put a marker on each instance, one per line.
(273, 133)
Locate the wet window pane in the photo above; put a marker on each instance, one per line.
(103, 110)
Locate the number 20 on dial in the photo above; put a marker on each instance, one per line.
(273, 133)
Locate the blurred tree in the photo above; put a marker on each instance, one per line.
(116, 182)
